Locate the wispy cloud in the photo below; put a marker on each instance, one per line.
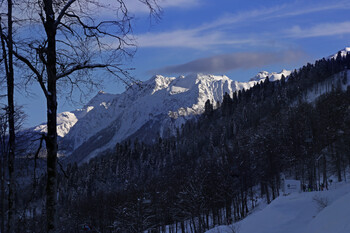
(205, 35)
(179, 3)
(314, 8)
(136, 6)
(221, 31)
(325, 29)
(227, 62)
(189, 39)
(245, 16)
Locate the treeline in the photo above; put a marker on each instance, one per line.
(214, 170)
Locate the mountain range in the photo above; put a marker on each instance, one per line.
(146, 111)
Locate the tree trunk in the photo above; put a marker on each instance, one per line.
(316, 187)
(207, 220)
(242, 204)
(262, 191)
(236, 209)
(324, 168)
(228, 212)
(338, 166)
(11, 118)
(3, 152)
(51, 138)
(2, 192)
(267, 193)
(182, 227)
(273, 189)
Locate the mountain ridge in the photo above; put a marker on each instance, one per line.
(167, 101)
(156, 107)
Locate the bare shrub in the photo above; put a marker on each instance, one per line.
(234, 228)
(321, 202)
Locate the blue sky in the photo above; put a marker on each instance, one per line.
(196, 35)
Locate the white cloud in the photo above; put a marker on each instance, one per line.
(232, 61)
(188, 39)
(325, 29)
(179, 3)
(325, 6)
(215, 33)
(205, 35)
(136, 6)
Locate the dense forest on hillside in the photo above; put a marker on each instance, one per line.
(215, 168)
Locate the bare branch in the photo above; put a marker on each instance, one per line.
(81, 67)
(62, 169)
(36, 157)
(34, 70)
(63, 11)
(3, 38)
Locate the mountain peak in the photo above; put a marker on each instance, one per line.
(160, 82)
(343, 53)
(261, 76)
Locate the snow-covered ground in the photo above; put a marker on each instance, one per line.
(298, 213)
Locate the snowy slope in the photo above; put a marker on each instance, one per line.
(298, 213)
(149, 110)
(66, 120)
(334, 218)
(272, 76)
(343, 53)
(154, 108)
(340, 80)
(159, 105)
(104, 106)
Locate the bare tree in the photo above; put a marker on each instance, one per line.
(3, 156)
(8, 62)
(73, 39)
(5, 185)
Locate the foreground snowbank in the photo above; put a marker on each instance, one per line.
(299, 212)
(334, 218)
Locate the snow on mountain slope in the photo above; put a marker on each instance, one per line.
(272, 76)
(160, 104)
(154, 108)
(298, 213)
(66, 120)
(334, 218)
(340, 80)
(343, 53)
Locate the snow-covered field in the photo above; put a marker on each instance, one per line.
(310, 212)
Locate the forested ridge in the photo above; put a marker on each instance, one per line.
(215, 168)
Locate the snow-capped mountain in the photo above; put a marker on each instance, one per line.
(145, 111)
(154, 108)
(66, 120)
